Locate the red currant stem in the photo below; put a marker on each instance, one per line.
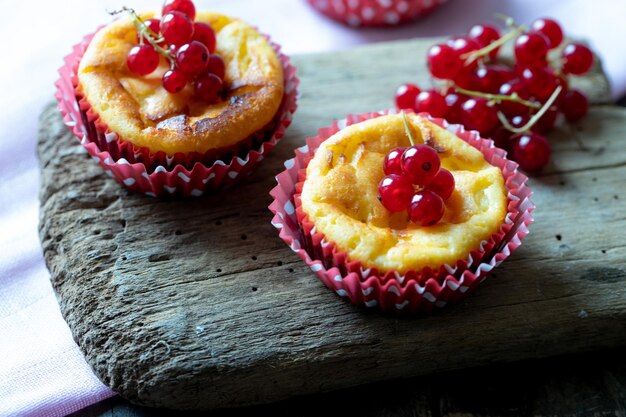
(508, 20)
(535, 117)
(407, 129)
(146, 33)
(499, 97)
(479, 53)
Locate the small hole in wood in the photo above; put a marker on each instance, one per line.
(218, 223)
(124, 258)
(254, 258)
(559, 237)
(290, 269)
(616, 197)
(595, 199)
(58, 238)
(96, 232)
(244, 237)
(603, 250)
(178, 233)
(123, 223)
(254, 288)
(218, 270)
(280, 263)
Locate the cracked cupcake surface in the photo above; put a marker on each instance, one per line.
(145, 114)
(340, 194)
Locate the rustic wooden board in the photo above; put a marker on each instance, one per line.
(199, 304)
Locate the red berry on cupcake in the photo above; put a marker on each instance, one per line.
(188, 46)
(415, 182)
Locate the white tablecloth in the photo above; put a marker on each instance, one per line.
(42, 371)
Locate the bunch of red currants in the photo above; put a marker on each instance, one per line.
(188, 46)
(515, 103)
(406, 169)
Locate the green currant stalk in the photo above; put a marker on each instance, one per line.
(407, 130)
(508, 20)
(498, 97)
(146, 33)
(479, 53)
(535, 117)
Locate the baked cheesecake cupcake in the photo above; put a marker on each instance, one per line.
(178, 103)
(412, 247)
(375, 12)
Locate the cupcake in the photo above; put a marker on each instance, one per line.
(179, 103)
(401, 254)
(375, 12)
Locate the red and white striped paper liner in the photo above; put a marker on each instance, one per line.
(158, 175)
(391, 291)
(375, 12)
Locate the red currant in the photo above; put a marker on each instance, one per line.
(184, 6)
(531, 48)
(443, 62)
(462, 46)
(547, 122)
(154, 25)
(426, 208)
(466, 79)
(142, 59)
(487, 79)
(550, 29)
(502, 138)
(174, 81)
(505, 73)
(577, 59)
(420, 164)
(574, 106)
(204, 34)
(539, 81)
(519, 120)
(216, 66)
(484, 35)
(393, 162)
(442, 184)
(192, 58)
(406, 95)
(176, 28)
(477, 114)
(454, 101)
(209, 88)
(395, 192)
(431, 102)
(531, 151)
(512, 108)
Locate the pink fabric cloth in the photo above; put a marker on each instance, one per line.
(42, 372)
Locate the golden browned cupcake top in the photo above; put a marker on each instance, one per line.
(341, 187)
(144, 113)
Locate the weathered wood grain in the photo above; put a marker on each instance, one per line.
(199, 304)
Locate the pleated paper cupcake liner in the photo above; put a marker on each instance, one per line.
(158, 174)
(375, 12)
(389, 290)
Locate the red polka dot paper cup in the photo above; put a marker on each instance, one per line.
(161, 175)
(375, 12)
(388, 290)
